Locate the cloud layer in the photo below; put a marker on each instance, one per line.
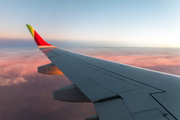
(9, 81)
(160, 59)
(26, 94)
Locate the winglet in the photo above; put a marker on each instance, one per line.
(39, 41)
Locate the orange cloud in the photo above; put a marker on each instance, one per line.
(14, 66)
(22, 64)
(164, 60)
(143, 61)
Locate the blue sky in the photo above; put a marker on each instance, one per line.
(139, 23)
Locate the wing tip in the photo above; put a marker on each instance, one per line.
(39, 41)
(28, 25)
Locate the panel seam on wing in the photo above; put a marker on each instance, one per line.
(115, 73)
(151, 94)
(89, 78)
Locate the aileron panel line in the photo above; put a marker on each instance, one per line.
(114, 109)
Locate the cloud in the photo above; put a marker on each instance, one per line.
(35, 99)
(24, 63)
(19, 80)
(9, 81)
(19, 64)
(5, 81)
(143, 61)
(163, 59)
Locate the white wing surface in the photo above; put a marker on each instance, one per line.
(118, 91)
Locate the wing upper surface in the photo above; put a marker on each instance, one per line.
(118, 90)
(102, 85)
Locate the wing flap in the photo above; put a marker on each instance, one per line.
(170, 101)
(114, 109)
(154, 114)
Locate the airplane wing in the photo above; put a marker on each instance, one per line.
(118, 91)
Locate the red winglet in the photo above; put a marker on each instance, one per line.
(39, 41)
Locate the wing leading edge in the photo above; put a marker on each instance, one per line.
(118, 91)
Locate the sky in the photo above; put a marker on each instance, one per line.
(115, 23)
